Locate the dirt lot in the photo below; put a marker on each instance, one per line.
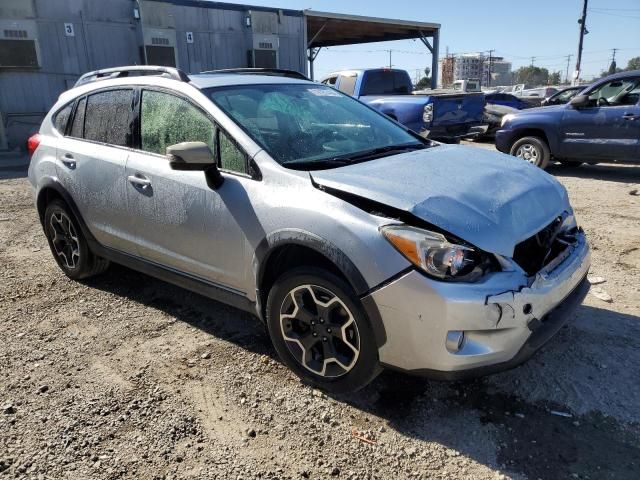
(124, 376)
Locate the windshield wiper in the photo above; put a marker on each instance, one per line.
(378, 152)
(316, 164)
(350, 158)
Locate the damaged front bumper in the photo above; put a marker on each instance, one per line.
(495, 324)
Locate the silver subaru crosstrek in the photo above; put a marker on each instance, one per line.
(358, 243)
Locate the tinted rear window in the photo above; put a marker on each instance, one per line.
(108, 117)
(386, 82)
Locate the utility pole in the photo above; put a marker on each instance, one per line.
(612, 67)
(566, 78)
(490, 67)
(583, 32)
(533, 59)
(390, 65)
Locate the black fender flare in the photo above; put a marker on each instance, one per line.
(280, 238)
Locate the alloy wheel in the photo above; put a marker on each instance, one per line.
(319, 331)
(528, 152)
(65, 240)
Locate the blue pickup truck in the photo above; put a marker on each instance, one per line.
(601, 124)
(444, 115)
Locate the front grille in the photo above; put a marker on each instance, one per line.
(537, 251)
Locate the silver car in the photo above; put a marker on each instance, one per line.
(361, 245)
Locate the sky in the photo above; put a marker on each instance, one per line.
(516, 29)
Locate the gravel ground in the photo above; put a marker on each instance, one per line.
(124, 376)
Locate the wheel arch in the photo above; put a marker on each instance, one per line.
(285, 249)
(540, 132)
(52, 189)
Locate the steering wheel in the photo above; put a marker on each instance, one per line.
(603, 102)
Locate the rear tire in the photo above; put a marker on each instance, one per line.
(68, 245)
(321, 332)
(533, 150)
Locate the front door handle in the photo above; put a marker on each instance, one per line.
(68, 161)
(139, 181)
(629, 116)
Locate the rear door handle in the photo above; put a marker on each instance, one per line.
(68, 161)
(139, 181)
(629, 116)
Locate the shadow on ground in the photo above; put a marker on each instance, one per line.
(531, 440)
(610, 172)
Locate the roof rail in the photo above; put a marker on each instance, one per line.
(276, 72)
(132, 71)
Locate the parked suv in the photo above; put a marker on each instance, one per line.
(601, 124)
(360, 244)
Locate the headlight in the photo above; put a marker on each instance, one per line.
(507, 118)
(427, 116)
(434, 254)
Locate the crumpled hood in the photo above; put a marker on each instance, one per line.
(491, 200)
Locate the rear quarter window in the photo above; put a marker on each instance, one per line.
(107, 117)
(61, 118)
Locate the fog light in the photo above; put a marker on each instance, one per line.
(455, 339)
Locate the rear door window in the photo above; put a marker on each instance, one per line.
(108, 117)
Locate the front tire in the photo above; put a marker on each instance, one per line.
(533, 150)
(68, 245)
(321, 332)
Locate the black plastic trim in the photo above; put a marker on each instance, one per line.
(200, 286)
(269, 244)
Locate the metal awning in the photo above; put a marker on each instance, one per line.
(331, 29)
(324, 29)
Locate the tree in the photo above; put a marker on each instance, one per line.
(555, 78)
(634, 64)
(532, 76)
(424, 82)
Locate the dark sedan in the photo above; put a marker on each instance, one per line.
(563, 96)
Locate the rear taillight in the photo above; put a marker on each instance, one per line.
(33, 143)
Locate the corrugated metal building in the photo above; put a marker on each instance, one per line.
(45, 45)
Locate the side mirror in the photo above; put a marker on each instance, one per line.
(579, 101)
(195, 156)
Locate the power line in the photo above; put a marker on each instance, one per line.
(614, 14)
(617, 9)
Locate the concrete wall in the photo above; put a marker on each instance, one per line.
(106, 34)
